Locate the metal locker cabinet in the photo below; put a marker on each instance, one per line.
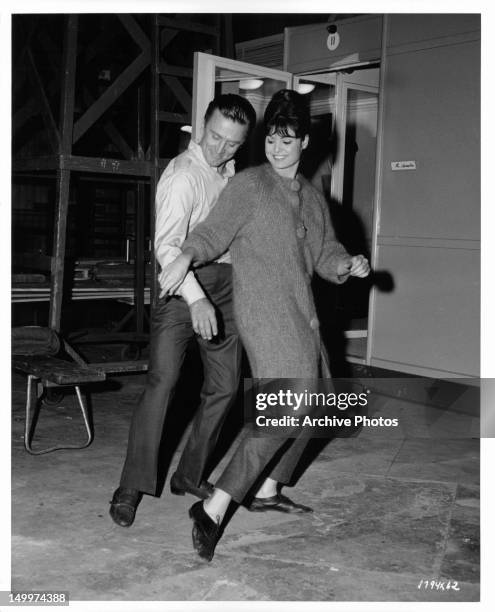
(428, 221)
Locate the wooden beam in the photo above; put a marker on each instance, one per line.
(173, 117)
(115, 179)
(227, 47)
(79, 163)
(139, 276)
(63, 176)
(112, 132)
(164, 68)
(27, 164)
(182, 24)
(166, 37)
(118, 140)
(132, 26)
(116, 367)
(30, 108)
(59, 239)
(121, 83)
(141, 129)
(179, 92)
(45, 109)
(158, 40)
(106, 165)
(139, 264)
(68, 84)
(26, 112)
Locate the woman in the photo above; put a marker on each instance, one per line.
(277, 228)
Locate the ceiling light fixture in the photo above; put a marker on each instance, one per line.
(305, 88)
(250, 83)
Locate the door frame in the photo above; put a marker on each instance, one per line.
(343, 82)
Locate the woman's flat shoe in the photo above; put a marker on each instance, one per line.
(278, 503)
(205, 531)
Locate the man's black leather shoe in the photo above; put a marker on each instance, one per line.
(123, 506)
(181, 486)
(205, 531)
(279, 503)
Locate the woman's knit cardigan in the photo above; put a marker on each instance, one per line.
(278, 232)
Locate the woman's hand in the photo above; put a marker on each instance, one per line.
(344, 266)
(173, 274)
(360, 266)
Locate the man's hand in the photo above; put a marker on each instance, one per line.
(203, 318)
(360, 266)
(174, 273)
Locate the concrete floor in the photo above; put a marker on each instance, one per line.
(390, 511)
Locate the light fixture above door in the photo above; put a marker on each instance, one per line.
(250, 83)
(305, 88)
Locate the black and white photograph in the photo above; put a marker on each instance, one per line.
(247, 330)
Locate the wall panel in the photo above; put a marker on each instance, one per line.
(430, 321)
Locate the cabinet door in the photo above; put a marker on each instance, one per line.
(428, 242)
(214, 75)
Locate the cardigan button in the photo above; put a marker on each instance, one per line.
(301, 232)
(314, 323)
(295, 185)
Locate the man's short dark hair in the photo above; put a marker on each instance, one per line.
(233, 107)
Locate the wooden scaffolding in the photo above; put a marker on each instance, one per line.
(125, 80)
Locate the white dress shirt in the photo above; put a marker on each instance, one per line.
(186, 192)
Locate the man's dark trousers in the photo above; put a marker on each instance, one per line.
(171, 331)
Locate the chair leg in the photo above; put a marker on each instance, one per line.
(86, 417)
(32, 409)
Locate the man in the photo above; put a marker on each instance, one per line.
(187, 191)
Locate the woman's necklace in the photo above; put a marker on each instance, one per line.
(296, 201)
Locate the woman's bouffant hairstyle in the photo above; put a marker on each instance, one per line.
(287, 110)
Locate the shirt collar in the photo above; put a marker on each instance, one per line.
(197, 151)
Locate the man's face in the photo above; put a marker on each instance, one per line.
(221, 139)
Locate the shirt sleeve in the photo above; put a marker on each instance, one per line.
(174, 206)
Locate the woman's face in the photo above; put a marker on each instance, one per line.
(284, 152)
